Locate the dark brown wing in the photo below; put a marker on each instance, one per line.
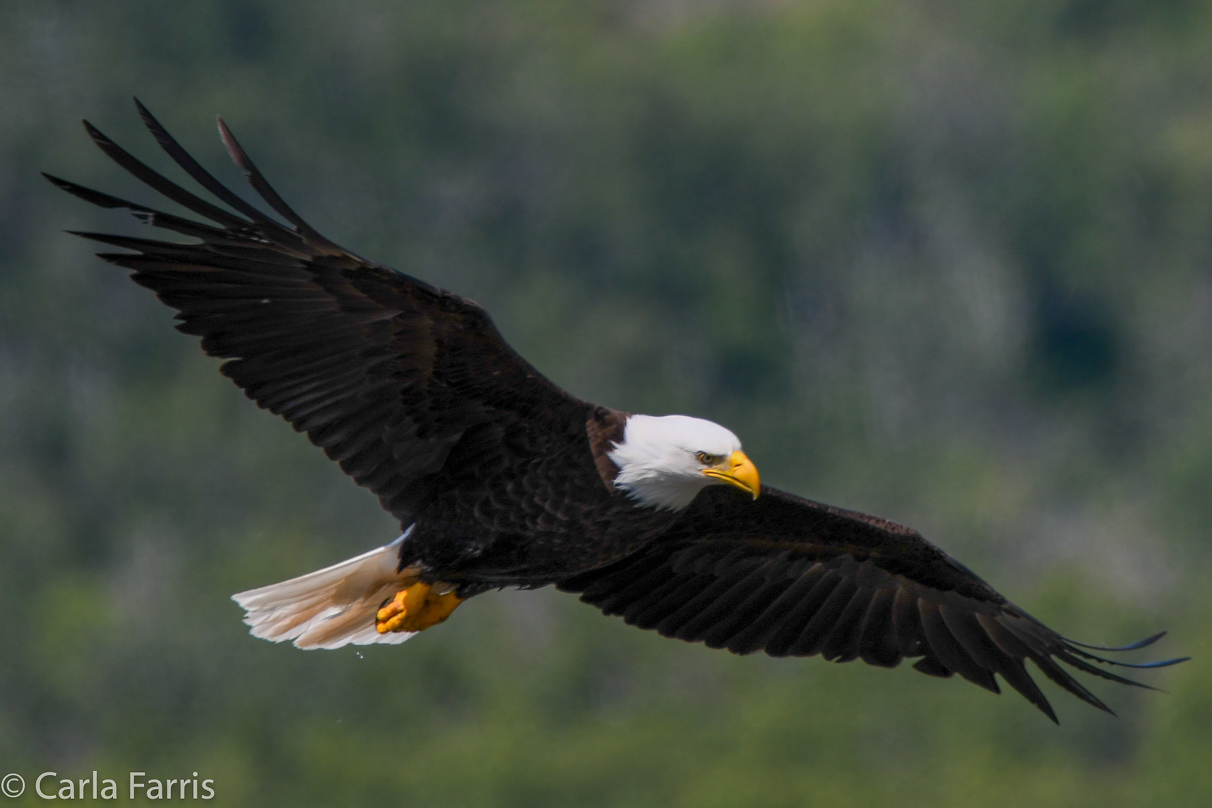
(381, 370)
(793, 577)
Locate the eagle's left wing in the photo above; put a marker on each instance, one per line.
(383, 371)
(793, 577)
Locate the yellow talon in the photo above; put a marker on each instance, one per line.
(415, 609)
(389, 616)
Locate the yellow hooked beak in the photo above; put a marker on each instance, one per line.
(737, 470)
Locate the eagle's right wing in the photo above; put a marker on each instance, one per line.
(793, 577)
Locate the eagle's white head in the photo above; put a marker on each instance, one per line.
(664, 461)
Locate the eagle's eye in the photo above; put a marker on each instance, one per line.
(709, 459)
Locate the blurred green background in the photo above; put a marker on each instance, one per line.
(947, 262)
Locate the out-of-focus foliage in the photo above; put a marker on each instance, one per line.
(948, 262)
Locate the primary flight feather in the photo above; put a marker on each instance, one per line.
(500, 478)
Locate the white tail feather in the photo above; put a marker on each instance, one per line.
(331, 607)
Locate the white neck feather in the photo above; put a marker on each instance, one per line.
(648, 487)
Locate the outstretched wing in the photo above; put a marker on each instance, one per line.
(383, 371)
(793, 577)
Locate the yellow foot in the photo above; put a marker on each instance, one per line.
(415, 609)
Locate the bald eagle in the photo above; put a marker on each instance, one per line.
(499, 478)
